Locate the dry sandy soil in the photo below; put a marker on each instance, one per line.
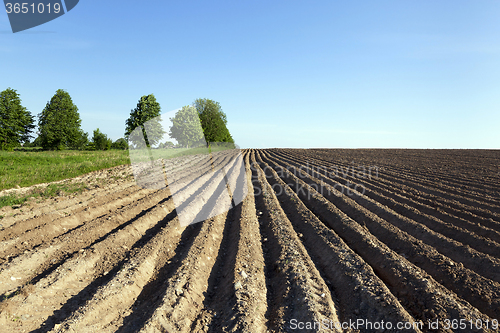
(357, 240)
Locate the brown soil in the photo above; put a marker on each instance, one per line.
(330, 236)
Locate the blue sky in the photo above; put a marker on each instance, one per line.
(331, 74)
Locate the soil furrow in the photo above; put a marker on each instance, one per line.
(27, 234)
(186, 287)
(405, 215)
(480, 292)
(28, 214)
(371, 300)
(483, 264)
(114, 300)
(406, 187)
(422, 296)
(182, 283)
(402, 205)
(297, 293)
(71, 242)
(66, 283)
(455, 173)
(273, 240)
(431, 190)
(236, 286)
(98, 184)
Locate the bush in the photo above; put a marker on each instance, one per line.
(121, 144)
(101, 141)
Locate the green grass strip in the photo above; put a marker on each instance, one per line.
(42, 193)
(26, 168)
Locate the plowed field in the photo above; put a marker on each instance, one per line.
(326, 240)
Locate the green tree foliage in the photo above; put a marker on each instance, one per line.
(101, 141)
(186, 127)
(82, 140)
(213, 120)
(59, 123)
(121, 144)
(147, 116)
(35, 143)
(167, 144)
(16, 122)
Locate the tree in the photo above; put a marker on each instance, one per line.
(186, 127)
(59, 123)
(213, 120)
(16, 122)
(101, 141)
(167, 144)
(121, 143)
(36, 143)
(82, 140)
(147, 116)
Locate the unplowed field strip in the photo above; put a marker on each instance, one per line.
(326, 240)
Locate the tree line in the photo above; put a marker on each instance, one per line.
(59, 125)
(201, 123)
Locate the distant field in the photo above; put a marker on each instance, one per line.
(29, 167)
(141, 155)
(25, 168)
